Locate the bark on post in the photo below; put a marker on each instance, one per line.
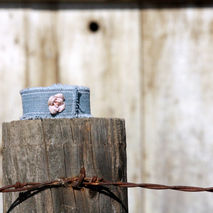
(42, 150)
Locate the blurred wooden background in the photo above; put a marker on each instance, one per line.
(151, 64)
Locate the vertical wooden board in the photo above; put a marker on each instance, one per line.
(107, 61)
(41, 47)
(178, 112)
(12, 68)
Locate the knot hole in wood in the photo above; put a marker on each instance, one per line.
(94, 26)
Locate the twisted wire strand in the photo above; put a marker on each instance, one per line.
(83, 181)
(27, 190)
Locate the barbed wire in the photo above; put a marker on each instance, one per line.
(29, 189)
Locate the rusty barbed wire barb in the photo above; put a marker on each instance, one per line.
(27, 190)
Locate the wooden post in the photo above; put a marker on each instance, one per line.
(42, 150)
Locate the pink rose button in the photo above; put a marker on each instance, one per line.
(56, 103)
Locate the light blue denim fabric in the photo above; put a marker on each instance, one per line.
(35, 102)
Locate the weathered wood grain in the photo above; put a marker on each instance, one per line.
(41, 47)
(12, 57)
(178, 112)
(108, 62)
(42, 150)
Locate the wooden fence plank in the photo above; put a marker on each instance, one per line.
(107, 61)
(178, 112)
(12, 66)
(41, 47)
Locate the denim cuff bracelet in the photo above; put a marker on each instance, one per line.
(56, 101)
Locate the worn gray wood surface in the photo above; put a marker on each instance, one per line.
(178, 112)
(42, 150)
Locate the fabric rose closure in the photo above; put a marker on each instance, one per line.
(56, 103)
